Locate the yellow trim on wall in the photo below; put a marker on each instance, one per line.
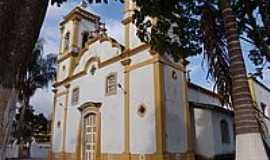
(126, 63)
(65, 118)
(160, 108)
(105, 63)
(252, 91)
(111, 156)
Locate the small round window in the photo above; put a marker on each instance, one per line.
(58, 124)
(141, 110)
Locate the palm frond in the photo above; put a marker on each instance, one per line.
(215, 52)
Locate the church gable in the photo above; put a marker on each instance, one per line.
(98, 50)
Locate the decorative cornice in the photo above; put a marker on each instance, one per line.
(126, 62)
(126, 53)
(80, 13)
(88, 105)
(127, 20)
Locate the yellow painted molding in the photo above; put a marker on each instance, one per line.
(75, 33)
(126, 53)
(78, 12)
(123, 156)
(65, 118)
(127, 20)
(64, 57)
(252, 91)
(126, 107)
(141, 64)
(173, 65)
(160, 107)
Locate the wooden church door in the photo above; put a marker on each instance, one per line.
(90, 137)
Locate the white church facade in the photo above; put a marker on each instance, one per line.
(117, 101)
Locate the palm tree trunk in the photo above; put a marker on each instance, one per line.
(8, 99)
(249, 145)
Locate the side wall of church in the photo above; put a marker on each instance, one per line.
(223, 148)
(204, 142)
(142, 127)
(175, 104)
(199, 97)
(262, 95)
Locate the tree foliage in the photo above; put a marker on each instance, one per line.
(59, 2)
(186, 28)
(39, 73)
(35, 125)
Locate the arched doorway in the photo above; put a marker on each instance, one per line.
(90, 137)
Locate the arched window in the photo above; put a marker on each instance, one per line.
(85, 36)
(66, 41)
(225, 133)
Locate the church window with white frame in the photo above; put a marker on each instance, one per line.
(225, 133)
(75, 96)
(111, 84)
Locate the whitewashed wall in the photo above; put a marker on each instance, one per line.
(204, 142)
(199, 97)
(175, 103)
(142, 129)
(58, 117)
(92, 88)
(262, 95)
(221, 148)
(208, 141)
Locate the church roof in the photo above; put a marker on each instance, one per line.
(211, 107)
(203, 90)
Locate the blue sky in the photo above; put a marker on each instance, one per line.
(111, 14)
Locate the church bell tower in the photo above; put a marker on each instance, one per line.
(75, 30)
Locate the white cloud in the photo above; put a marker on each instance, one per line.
(267, 77)
(115, 29)
(42, 101)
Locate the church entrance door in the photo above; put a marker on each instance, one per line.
(90, 136)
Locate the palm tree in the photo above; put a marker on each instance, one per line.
(227, 66)
(39, 73)
(221, 45)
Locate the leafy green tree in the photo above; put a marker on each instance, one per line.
(34, 125)
(39, 73)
